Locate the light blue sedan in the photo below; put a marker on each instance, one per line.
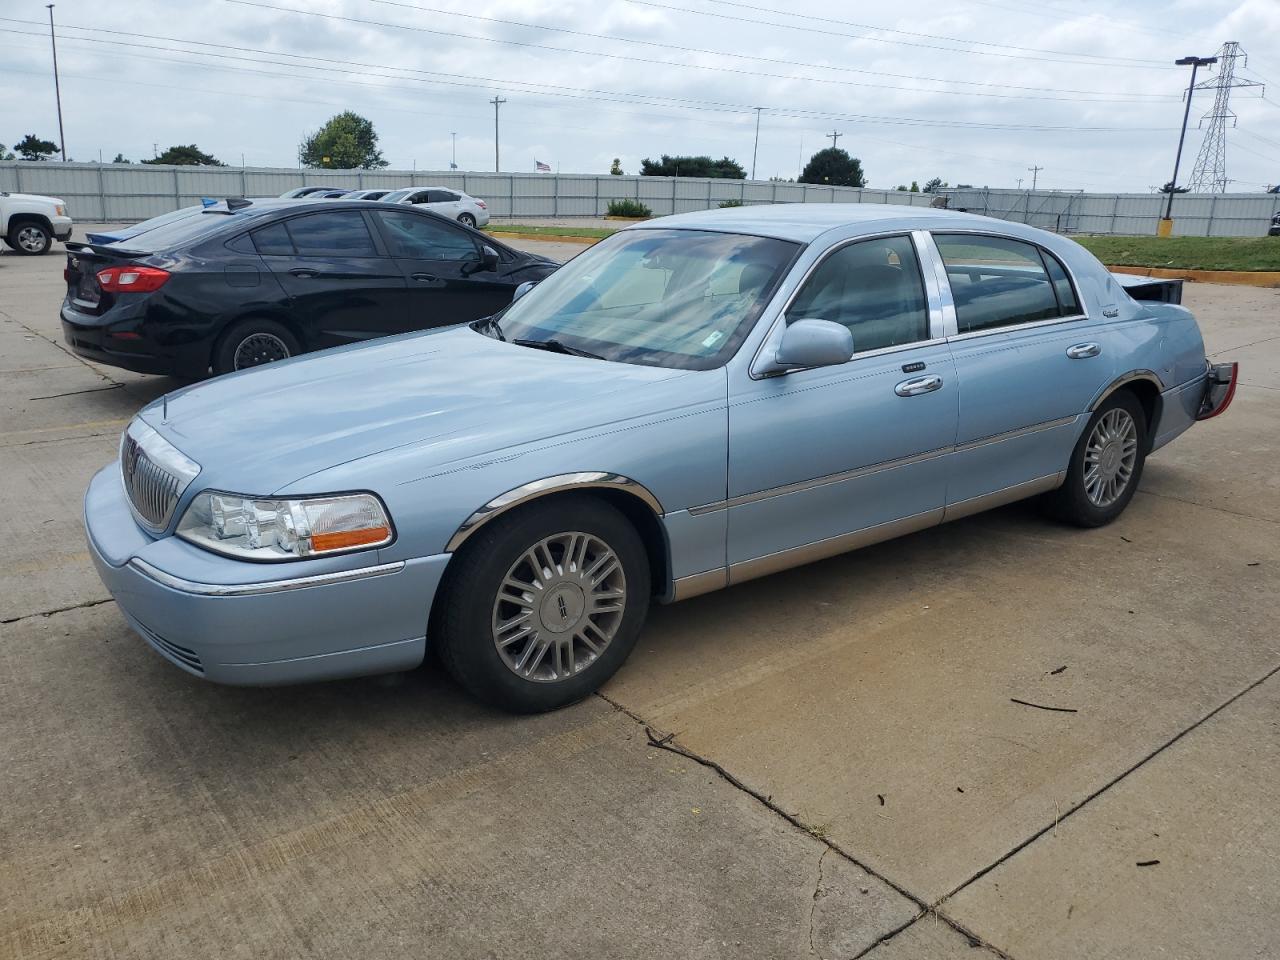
(694, 402)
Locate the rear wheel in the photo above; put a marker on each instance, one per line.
(30, 238)
(1106, 465)
(253, 342)
(544, 605)
(466, 219)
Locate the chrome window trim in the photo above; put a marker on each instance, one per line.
(585, 480)
(947, 324)
(267, 586)
(779, 322)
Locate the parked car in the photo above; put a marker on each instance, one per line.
(248, 282)
(365, 194)
(297, 192)
(454, 204)
(1274, 229)
(29, 223)
(696, 401)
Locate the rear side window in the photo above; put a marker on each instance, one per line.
(997, 282)
(441, 196)
(1067, 300)
(335, 233)
(273, 241)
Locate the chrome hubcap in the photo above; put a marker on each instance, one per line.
(559, 607)
(1109, 457)
(31, 238)
(260, 348)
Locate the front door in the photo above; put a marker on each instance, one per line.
(341, 287)
(825, 459)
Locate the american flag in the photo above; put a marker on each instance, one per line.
(540, 166)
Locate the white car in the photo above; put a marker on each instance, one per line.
(30, 223)
(454, 204)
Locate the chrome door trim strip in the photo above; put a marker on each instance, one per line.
(1015, 327)
(529, 491)
(928, 251)
(998, 498)
(801, 485)
(830, 547)
(699, 583)
(1013, 434)
(268, 586)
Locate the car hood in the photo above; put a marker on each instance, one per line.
(452, 394)
(36, 198)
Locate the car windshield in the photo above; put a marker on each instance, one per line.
(670, 298)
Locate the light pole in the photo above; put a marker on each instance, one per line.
(1195, 63)
(57, 89)
(497, 101)
(756, 147)
(453, 161)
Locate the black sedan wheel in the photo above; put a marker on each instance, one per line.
(252, 343)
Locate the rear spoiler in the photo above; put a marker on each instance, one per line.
(1150, 288)
(104, 250)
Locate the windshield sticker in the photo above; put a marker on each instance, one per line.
(712, 338)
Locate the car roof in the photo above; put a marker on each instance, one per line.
(804, 222)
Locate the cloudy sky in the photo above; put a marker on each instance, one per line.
(974, 91)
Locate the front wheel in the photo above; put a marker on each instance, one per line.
(1106, 465)
(467, 220)
(30, 238)
(544, 605)
(252, 343)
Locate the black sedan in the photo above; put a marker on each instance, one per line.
(247, 282)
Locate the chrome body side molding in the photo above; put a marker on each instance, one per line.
(540, 488)
(1118, 382)
(998, 498)
(268, 586)
(699, 583)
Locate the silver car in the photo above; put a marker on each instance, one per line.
(466, 209)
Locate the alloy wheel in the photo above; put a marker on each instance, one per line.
(32, 239)
(259, 348)
(559, 606)
(1109, 457)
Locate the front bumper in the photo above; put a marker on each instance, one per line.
(258, 624)
(61, 228)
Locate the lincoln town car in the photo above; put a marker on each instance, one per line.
(696, 401)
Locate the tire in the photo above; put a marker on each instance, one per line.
(548, 629)
(466, 219)
(1106, 465)
(251, 343)
(29, 238)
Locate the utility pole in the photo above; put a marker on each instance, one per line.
(756, 148)
(1195, 63)
(497, 102)
(1019, 183)
(1035, 175)
(57, 89)
(834, 135)
(453, 159)
(1209, 175)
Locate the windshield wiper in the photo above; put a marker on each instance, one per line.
(490, 324)
(556, 346)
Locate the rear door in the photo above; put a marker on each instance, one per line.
(441, 264)
(342, 285)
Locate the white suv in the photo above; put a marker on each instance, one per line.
(448, 203)
(29, 223)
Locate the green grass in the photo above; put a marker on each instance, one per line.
(597, 232)
(1186, 253)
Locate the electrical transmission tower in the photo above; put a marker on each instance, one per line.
(1210, 173)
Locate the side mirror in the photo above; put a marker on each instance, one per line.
(488, 258)
(524, 288)
(814, 343)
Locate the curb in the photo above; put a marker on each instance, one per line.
(1248, 278)
(545, 237)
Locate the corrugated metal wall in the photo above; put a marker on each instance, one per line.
(116, 192)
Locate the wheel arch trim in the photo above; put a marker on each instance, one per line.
(1133, 375)
(536, 489)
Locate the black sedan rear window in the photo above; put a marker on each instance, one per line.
(180, 233)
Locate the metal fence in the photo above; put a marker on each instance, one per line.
(123, 192)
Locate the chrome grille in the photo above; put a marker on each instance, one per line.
(155, 474)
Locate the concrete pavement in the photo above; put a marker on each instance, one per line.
(857, 779)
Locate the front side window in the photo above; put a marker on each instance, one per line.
(420, 237)
(997, 282)
(340, 233)
(873, 287)
(671, 298)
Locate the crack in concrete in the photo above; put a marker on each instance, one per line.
(813, 906)
(114, 385)
(1206, 506)
(50, 613)
(667, 742)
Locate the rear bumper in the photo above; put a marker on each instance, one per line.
(91, 338)
(230, 626)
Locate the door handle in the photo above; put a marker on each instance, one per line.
(1082, 351)
(424, 277)
(302, 274)
(913, 388)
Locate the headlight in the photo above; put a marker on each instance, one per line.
(60, 210)
(250, 528)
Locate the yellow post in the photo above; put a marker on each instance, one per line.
(1164, 228)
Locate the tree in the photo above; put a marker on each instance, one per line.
(668, 166)
(5, 154)
(120, 159)
(1170, 188)
(834, 167)
(188, 155)
(346, 142)
(934, 185)
(615, 169)
(33, 148)
(915, 186)
(901, 187)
